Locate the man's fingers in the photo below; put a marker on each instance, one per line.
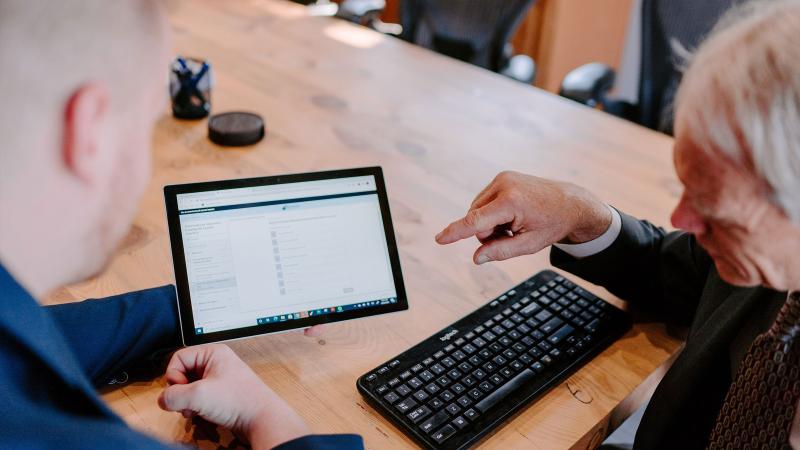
(179, 397)
(484, 196)
(506, 247)
(477, 221)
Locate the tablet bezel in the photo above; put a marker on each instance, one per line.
(179, 262)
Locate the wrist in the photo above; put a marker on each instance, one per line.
(592, 218)
(274, 424)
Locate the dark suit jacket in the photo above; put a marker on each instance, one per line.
(668, 273)
(52, 358)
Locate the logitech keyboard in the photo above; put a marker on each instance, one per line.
(460, 384)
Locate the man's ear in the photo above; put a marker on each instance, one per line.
(85, 119)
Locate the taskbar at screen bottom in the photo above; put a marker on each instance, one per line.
(315, 312)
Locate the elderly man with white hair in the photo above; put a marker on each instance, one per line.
(732, 275)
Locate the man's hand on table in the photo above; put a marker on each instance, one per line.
(519, 214)
(212, 382)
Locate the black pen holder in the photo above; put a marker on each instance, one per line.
(190, 83)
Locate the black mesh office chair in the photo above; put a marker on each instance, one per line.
(475, 31)
(685, 21)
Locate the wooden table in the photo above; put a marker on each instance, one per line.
(337, 96)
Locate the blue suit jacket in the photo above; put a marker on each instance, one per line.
(52, 358)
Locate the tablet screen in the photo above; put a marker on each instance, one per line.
(288, 252)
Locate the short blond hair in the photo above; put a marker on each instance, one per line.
(740, 94)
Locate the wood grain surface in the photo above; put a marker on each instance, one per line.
(336, 96)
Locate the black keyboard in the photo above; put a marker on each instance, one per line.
(461, 383)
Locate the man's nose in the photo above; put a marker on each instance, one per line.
(687, 219)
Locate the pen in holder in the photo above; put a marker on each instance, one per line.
(190, 88)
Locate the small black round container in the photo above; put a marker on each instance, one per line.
(235, 129)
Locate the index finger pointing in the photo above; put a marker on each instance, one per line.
(477, 221)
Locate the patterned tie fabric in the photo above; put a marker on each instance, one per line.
(760, 406)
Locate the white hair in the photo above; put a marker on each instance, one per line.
(741, 95)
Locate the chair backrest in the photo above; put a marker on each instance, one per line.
(474, 31)
(686, 21)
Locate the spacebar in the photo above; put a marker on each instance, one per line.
(505, 390)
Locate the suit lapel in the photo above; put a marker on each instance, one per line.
(28, 323)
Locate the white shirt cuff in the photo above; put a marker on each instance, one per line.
(597, 244)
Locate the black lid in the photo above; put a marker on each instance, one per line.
(235, 128)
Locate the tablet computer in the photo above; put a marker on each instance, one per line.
(262, 255)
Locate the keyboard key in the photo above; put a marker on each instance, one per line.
(479, 374)
(505, 341)
(516, 318)
(478, 342)
(537, 366)
(436, 404)
(421, 396)
(454, 374)
(406, 405)
(371, 377)
(475, 394)
(435, 422)
(459, 342)
(419, 414)
(524, 329)
(490, 367)
(530, 309)
(405, 375)
(468, 381)
(403, 390)
(382, 389)
(460, 422)
(438, 369)
(475, 360)
(443, 434)
(551, 325)
(464, 401)
(391, 397)
(469, 349)
(448, 362)
(449, 348)
(417, 368)
(438, 355)
(453, 409)
(394, 363)
(426, 362)
(426, 375)
(519, 348)
(394, 382)
(458, 388)
(443, 381)
(383, 370)
(561, 334)
(592, 326)
(414, 383)
(471, 414)
(464, 367)
(433, 388)
(447, 396)
(516, 306)
(505, 390)
(556, 307)
(496, 379)
(507, 372)
(510, 354)
(485, 386)
(458, 355)
(543, 315)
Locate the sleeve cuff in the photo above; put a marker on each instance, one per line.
(324, 442)
(597, 244)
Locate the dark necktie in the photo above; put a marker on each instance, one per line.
(760, 406)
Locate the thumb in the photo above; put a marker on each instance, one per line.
(506, 247)
(180, 397)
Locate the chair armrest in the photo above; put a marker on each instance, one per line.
(588, 84)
